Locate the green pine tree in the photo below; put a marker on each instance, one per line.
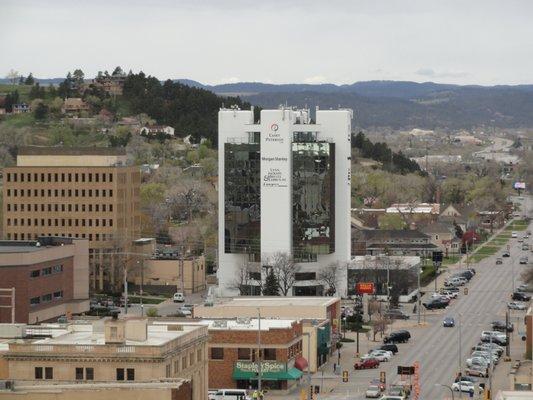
(271, 285)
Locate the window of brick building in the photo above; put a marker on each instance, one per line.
(130, 372)
(79, 374)
(89, 374)
(48, 373)
(38, 372)
(120, 374)
(243, 354)
(217, 353)
(270, 354)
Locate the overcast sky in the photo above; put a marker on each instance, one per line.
(292, 41)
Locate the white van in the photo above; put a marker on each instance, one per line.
(178, 297)
(231, 394)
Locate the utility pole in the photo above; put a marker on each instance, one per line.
(181, 270)
(142, 282)
(125, 289)
(419, 300)
(259, 349)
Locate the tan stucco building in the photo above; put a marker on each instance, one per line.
(87, 193)
(110, 351)
(165, 270)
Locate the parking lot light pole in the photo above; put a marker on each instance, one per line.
(447, 387)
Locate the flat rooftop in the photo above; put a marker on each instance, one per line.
(158, 335)
(263, 301)
(247, 324)
(70, 151)
(384, 262)
(28, 246)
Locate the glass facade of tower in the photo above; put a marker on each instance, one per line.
(313, 197)
(242, 204)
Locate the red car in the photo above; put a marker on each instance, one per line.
(366, 364)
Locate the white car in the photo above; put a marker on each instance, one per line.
(450, 295)
(380, 355)
(373, 392)
(514, 235)
(516, 305)
(485, 335)
(478, 361)
(477, 370)
(464, 386)
(185, 311)
(485, 354)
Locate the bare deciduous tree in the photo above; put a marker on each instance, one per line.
(380, 326)
(330, 276)
(12, 75)
(285, 271)
(243, 279)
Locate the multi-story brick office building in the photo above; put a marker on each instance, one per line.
(76, 192)
(48, 278)
(111, 350)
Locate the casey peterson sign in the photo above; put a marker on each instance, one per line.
(364, 288)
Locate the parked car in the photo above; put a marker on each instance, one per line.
(502, 327)
(380, 355)
(435, 304)
(178, 297)
(494, 336)
(499, 261)
(366, 364)
(476, 370)
(489, 356)
(231, 394)
(397, 337)
(373, 392)
(478, 361)
(515, 305)
(448, 322)
(455, 281)
(514, 235)
(462, 377)
(396, 314)
(525, 246)
(523, 260)
(520, 296)
(450, 293)
(496, 348)
(463, 386)
(506, 254)
(185, 311)
(397, 390)
(389, 347)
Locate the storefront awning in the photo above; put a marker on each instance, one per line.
(290, 374)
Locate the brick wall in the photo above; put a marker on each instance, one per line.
(27, 287)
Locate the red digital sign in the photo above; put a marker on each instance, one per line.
(364, 288)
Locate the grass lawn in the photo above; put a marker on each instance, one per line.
(19, 120)
(517, 225)
(488, 250)
(450, 260)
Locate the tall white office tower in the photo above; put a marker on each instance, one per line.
(284, 187)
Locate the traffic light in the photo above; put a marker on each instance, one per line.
(382, 377)
(465, 291)
(345, 376)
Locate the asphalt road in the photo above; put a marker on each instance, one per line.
(438, 350)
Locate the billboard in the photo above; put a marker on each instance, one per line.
(520, 185)
(364, 288)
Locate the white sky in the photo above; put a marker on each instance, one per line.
(293, 41)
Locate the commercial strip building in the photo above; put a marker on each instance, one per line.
(319, 316)
(284, 187)
(109, 351)
(396, 276)
(48, 277)
(169, 389)
(166, 270)
(87, 193)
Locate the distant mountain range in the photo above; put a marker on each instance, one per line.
(394, 104)
(397, 104)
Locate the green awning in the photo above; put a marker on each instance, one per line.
(290, 374)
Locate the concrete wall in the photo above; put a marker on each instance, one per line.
(69, 160)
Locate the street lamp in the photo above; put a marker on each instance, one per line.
(448, 387)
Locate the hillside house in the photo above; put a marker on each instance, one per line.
(154, 130)
(74, 105)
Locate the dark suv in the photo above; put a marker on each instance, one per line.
(435, 304)
(397, 337)
(389, 347)
(519, 296)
